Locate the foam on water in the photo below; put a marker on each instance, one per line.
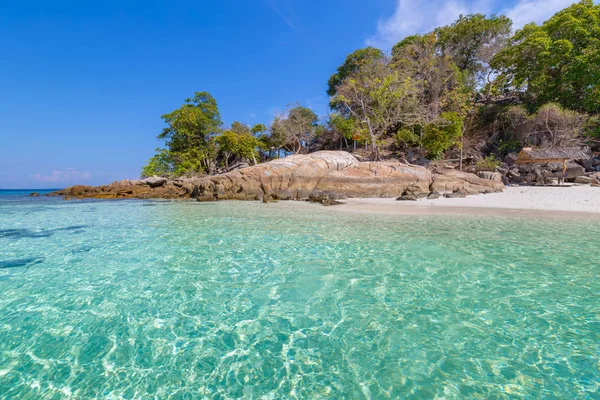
(120, 299)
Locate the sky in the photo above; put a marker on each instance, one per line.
(83, 84)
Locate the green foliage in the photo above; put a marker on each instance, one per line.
(488, 163)
(441, 83)
(189, 148)
(441, 135)
(345, 126)
(591, 128)
(295, 129)
(380, 97)
(406, 137)
(472, 40)
(558, 61)
(161, 164)
(258, 129)
(353, 62)
(238, 143)
(506, 146)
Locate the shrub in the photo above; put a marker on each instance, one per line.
(488, 163)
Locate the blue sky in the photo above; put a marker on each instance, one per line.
(83, 84)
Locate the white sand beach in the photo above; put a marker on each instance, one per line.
(524, 200)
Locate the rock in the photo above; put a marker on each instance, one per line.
(513, 173)
(323, 176)
(595, 175)
(375, 179)
(458, 194)
(34, 194)
(511, 158)
(585, 180)
(433, 196)
(155, 181)
(407, 197)
(450, 181)
(326, 201)
(290, 178)
(493, 176)
(573, 171)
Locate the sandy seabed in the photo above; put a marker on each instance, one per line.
(566, 201)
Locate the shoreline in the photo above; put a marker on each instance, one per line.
(580, 202)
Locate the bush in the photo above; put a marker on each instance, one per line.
(509, 146)
(488, 163)
(406, 137)
(591, 128)
(440, 136)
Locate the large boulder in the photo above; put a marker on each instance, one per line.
(452, 180)
(153, 181)
(375, 179)
(573, 171)
(290, 178)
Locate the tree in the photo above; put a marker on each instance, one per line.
(379, 97)
(238, 142)
(258, 129)
(553, 126)
(439, 81)
(353, 62)
(188, 135)
(294, 129)
(472, 41)
(558, 61)
(161, 164)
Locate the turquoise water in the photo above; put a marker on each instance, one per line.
(182, 300)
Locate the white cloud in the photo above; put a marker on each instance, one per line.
(66, 175)
(526, 11)
(420, 16)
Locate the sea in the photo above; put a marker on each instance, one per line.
(135, 299)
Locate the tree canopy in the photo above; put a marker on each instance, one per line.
(558, 61)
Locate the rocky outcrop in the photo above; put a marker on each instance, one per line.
(322, 176)
(290, 178)
(374, 179)
(451, 180)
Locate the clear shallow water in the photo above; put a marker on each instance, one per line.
(181, 300)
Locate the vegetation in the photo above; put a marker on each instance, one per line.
(471, 87)
(488, 163)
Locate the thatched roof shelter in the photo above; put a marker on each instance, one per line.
(529, 155)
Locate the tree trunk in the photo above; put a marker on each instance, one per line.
(489, 83)
(462, 141)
